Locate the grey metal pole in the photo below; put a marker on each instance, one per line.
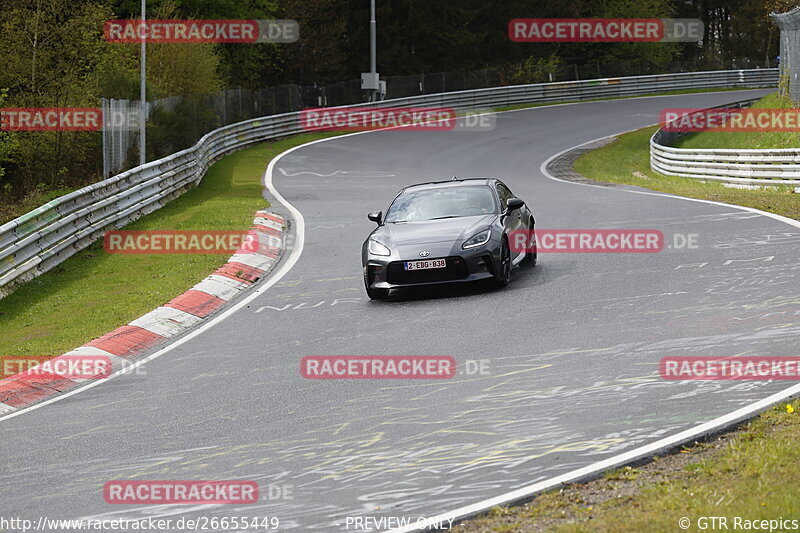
(142, 95)
(373, 46)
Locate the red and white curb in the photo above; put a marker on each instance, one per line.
(180, 314)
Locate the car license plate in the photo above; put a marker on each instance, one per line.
(424, 265)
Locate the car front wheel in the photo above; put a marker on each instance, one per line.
(503, 275)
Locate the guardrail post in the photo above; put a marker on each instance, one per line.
(72, 222)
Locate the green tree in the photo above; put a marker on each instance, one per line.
(321, 55)
(239, 65)
(178, 69)
(533, 70)
(52, 50)
(6, 148)
(646, 55)
(416, 36)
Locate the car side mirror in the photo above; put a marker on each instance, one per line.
(376, 217)
(514, 203)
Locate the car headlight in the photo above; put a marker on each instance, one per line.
(376, 248)
(479, 239)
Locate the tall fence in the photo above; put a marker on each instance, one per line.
(120, 133)
(789, 24)
(37, 241)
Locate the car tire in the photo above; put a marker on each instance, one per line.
(531, 257)
(503, 275)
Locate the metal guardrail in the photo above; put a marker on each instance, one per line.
(738, 167)
(41, 239)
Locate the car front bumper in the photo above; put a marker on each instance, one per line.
(388, 272)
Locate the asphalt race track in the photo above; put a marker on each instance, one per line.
(572, 346)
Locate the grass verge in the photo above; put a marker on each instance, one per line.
(94, 292)
(745, 140)
(747, 473)
(627, 161)
(11, 209)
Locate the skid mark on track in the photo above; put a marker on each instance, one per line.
(464, 427)
(342, 173)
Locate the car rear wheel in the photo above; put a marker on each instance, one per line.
(503, 274)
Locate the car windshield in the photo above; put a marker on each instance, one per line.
(445, 202)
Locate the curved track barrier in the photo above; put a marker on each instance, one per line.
(41, 239)
(744, 168)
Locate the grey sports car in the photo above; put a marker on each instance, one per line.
(443, 232)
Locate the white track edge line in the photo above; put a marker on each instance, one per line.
(531, 490)
(546, 173)
(274, 277)
(283, 269)
(598, 467)
(300, 239)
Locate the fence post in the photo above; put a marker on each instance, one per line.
(789, 24)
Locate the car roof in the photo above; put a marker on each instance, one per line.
(460, 182)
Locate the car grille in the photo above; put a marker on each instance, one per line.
(456, 269)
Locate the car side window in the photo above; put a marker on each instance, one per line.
(504, 193)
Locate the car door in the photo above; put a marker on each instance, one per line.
(512, 221)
